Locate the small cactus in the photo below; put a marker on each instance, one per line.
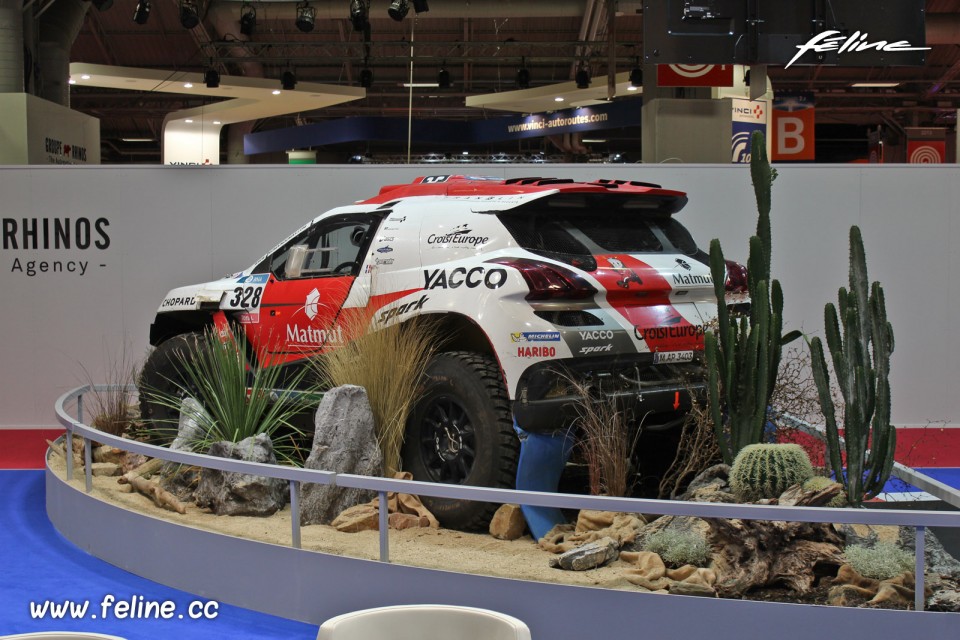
(763, 471)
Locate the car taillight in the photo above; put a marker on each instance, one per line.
(736, 278)
(549, 281)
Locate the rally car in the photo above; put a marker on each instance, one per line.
(534, 282)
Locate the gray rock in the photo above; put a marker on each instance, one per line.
(712, 479)
(344, 441)
(241, 494)
(937, 559)
(588, 556)
(947, 599)
(189, 431)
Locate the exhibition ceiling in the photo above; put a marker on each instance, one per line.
(481, 44)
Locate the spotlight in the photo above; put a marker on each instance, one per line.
(248, 19)
(212, 78)
(366, 78)
(189, 14)
(102, 5)
(443, 79)
(305, 16)
(288, 80)
(583, 78)
(359, 15)
(142, 13)
(420, 6)
(636, 77)
(398, 9)
(523, 78)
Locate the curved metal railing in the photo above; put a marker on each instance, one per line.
(76, 427)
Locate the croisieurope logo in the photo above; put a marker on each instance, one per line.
(835, 41)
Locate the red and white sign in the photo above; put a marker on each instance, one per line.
(793, 128)
(695, 75)
(926, 151)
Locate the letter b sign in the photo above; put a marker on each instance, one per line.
(793, 135)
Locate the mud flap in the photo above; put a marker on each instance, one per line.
(542, 459)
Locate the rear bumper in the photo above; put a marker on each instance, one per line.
(659, 396)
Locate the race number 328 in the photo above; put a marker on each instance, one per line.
(246, 297)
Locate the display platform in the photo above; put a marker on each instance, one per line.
(311, 586)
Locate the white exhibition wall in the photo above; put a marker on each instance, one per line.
(153, 228)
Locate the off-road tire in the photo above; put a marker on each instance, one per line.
(162, 374)
(460, 431)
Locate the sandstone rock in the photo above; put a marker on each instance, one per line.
(588, 556)
(945, 600)
(508, 522)
(362, 517)
(400, 521)
(684, 588)
(105, 469)
(344, 441)
(236, 494)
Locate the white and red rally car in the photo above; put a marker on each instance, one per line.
(532, 281)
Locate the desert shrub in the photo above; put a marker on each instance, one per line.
(605, 440)
(389, 362)
(112, 408)
(883, 560)
(696, 451)
(678, 548)
(238, 401)
(766, 470)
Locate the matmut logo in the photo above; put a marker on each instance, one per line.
(836, 41)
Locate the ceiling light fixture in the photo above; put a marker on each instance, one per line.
(398, 9)
(248, 19)
(366, 78)
(212, 78)
(305, 17)
(523, 75)
(359, 15)
(288, 81)
(582, 78)
(876, 85)
(85, 76)
(189, 14)
(275, 92)
(419, 85)
(558, 99)
(142, 13)
(443, 79)
(188, 85)
(636, 77)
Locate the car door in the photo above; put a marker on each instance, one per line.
(309, 279)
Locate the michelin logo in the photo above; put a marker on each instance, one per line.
(536, 336)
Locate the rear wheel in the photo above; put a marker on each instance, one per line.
(460, 431)
(162, 375)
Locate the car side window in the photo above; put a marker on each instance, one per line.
(332, 249)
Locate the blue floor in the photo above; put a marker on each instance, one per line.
(37, 565)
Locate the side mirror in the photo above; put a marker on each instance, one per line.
(293, 267)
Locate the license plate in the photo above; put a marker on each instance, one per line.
(666, 357)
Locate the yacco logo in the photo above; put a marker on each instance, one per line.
(536, 336)
(460, 235)
(835, 41)
(310, 306)
(600, 334)
(472, 278)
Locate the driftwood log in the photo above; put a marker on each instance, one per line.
(151, 488)
(751, 554)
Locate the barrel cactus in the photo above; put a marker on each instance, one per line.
(762, 471)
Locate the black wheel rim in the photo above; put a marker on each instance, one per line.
(447, 441)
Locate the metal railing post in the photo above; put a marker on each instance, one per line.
(69, 453)
(919, 548)
(384, 539)
(294, 514)
(88, 463)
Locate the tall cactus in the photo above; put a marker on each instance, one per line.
(861, 362)
(743, 355)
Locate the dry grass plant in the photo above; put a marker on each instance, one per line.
(389, 363)
(607, 441)
(696, 451)
(113, 409)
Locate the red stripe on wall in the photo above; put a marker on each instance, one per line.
(917, 447)
(25, 448)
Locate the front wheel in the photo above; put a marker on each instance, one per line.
(460, 431)
(162, 375)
